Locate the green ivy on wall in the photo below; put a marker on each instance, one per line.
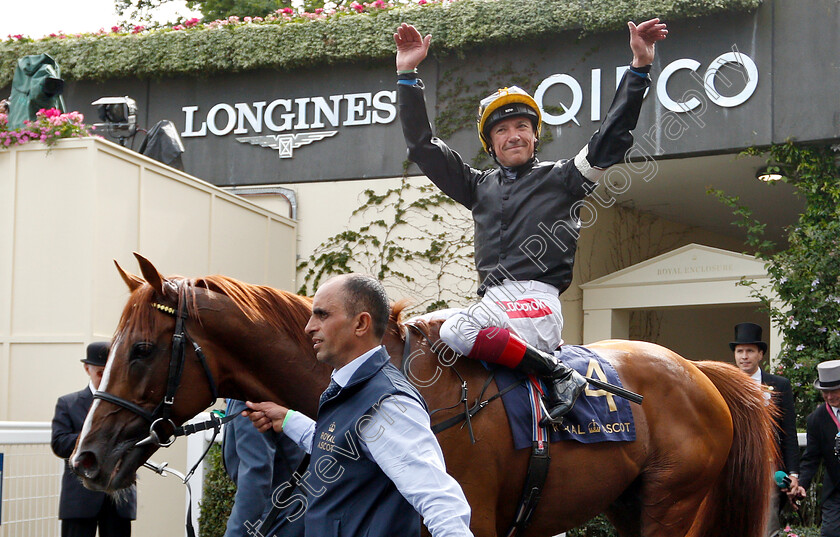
(415, 238)
(300, 43)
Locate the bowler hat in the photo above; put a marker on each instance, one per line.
(748, 334)
(97, 353)
(829, 375)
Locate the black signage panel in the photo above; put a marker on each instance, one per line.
(711, 93)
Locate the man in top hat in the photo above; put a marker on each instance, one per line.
(749, 350)
(82, 510)
(823, 425)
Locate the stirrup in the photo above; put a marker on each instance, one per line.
(547, 420)
(575, 384)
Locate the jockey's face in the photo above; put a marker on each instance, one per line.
(747, 358)
(513, 141)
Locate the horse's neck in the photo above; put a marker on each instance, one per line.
(258, 362)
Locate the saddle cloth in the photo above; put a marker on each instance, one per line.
(597, 416)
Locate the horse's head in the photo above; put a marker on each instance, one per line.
(141, 395)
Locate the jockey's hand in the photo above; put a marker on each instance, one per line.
(643, 40)
(266, 415)
(411, 47)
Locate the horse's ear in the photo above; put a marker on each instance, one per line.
(132, 281)
(150, 273)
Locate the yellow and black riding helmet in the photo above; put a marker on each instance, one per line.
(505, 103)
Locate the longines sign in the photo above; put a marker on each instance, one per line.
(303, 116)
(713, 91)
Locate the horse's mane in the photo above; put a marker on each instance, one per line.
(396, 324)
(395, 321)
(284, 311)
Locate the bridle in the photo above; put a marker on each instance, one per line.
(160, 416)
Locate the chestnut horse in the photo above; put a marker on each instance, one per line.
(701, 464)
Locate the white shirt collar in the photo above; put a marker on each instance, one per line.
(757, 375)
(342, 376)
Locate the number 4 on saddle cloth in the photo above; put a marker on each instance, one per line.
(597, 416)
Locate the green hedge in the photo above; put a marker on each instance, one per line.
(217, 497)
(341, 38)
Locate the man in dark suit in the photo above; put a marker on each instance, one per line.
(257, 463)
(823, 425)
(82, 510)
(749, 350)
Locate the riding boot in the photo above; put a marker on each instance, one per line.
(503, 347)
(563, 384)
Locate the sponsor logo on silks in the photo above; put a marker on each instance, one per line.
(286, 143)
(526, 307)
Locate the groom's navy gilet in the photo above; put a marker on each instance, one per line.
(355, 497)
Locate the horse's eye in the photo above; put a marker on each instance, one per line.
(142, 349)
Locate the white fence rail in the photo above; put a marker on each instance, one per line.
(30, 481)
(31, 478)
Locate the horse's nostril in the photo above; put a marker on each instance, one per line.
(86, 465)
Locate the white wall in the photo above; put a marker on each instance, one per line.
(65, 215)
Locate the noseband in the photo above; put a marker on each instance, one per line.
(162, 412)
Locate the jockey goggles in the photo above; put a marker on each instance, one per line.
(505, 103)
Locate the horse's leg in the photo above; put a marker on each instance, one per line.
(625, 513)
(681, 473)
(670, 511)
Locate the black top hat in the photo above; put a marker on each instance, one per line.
(748, 334)
(97, 353)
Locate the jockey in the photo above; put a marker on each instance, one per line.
(525, 211)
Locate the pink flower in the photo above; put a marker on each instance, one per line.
(319, 10)
(421, 2)
(379, 3)
(233, 19)
(189, 23)
(138, 29)
(287, 10)
(357, 6)
(247, 19)
(115, 29)
(178, 27)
